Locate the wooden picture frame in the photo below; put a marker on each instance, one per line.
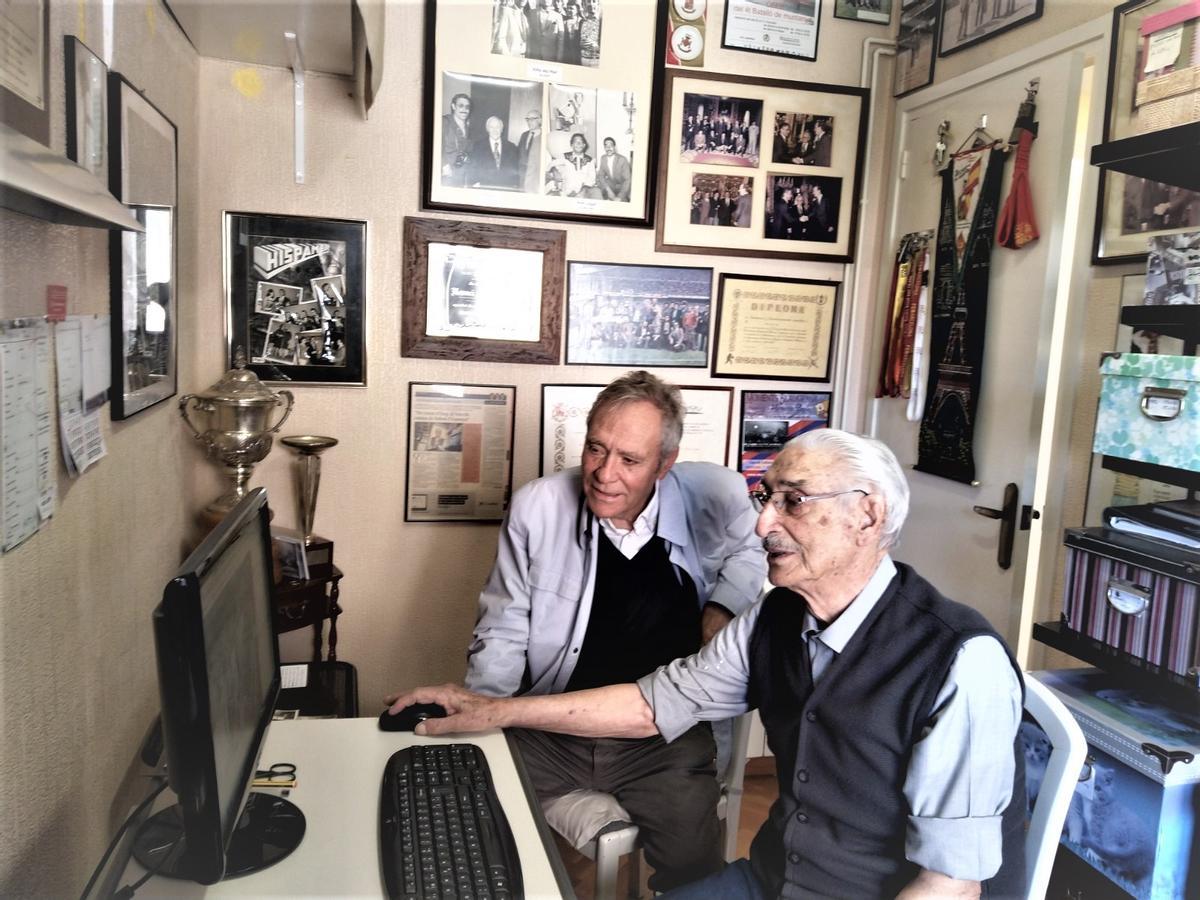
(296, 297)
(772, 418)
(625, 314)
(790, 30)
(916, 45)
(497, 298)
(87, 107)
(967, 23)
(25, 75)
(722, 136)
(545, 80)
(143, 175)
(1130, 210)
(781, 329)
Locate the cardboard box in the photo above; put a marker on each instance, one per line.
(1150, 409)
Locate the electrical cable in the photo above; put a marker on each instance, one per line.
(117, 838)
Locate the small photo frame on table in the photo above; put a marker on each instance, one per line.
(780, 29)
(708, 413)
(916, 45)
(869, 12)
(460, 441)
(541, 112)
(142, 174)
(483, 293)
(87, 107)
(619, 314)
(1152, 66)
(772, 418)
(296, 297)
(762, 168)
(780, 329)
(25, 74)
(966, 23)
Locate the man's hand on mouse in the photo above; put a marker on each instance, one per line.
(465, 711)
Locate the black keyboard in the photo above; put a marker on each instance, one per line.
(442, 832)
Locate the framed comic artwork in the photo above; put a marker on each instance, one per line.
(295, 290)
(540, 111)
(762, 168)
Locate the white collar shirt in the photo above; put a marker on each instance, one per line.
(645, 526)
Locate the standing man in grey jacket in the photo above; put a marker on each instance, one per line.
(604, 573)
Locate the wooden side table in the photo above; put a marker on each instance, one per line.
(300, 603)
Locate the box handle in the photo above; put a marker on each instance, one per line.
(1127, 597)
(1162, 404)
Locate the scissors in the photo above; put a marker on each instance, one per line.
(278, 775)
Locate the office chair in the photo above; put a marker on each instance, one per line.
(598, 826)
(1068, 750)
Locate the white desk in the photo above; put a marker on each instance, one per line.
(339, 770)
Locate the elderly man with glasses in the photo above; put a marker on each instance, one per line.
(892, 711)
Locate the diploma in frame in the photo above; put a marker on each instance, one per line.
(774, 328)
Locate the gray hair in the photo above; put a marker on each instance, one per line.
(641, 385)
(870, 463)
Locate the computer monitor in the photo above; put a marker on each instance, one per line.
(218, 679)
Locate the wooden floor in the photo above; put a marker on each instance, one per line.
(761, 790)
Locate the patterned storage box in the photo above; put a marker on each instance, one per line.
(1133, 816)
(1150, 409)
(1135, 594)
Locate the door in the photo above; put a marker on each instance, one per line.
(945, 539)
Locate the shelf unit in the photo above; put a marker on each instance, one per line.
(1167, 156)
(1182, 322)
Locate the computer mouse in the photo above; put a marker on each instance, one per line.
(407, 718)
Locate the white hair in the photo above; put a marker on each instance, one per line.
(872, 464)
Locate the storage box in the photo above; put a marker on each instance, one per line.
(1150, 409)
(1135, 594)
(1133, 816)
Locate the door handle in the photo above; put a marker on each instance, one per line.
(1008, 523)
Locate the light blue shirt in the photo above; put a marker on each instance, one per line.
(960, 777)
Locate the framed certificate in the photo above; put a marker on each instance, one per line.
(774, 328)
(781, 29)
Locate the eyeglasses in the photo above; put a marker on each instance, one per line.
(789, 502)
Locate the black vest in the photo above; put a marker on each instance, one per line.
(842, 750)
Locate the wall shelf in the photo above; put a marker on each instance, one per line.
(1178, 321)
(1167, 156)
(1166, 474)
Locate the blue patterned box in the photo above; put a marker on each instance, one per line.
(1129, 819)
(1150, 409)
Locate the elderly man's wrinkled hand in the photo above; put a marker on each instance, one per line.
(465, 711)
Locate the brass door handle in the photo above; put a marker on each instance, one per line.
(1007, 515)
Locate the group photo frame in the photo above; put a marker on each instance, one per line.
(542, 110)
(481, 292)
(295, 297)
(1131, 211)
(760, 167)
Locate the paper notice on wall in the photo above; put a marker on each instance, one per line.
(94, 352)
(27, 490)
(79, 431)
(1163, 48)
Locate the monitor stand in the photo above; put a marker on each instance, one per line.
(269, 829)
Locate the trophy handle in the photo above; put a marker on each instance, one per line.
(287, 412)
(183, 411)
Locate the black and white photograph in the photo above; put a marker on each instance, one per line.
(558, 31)
(720, 130)
(629, 315)
(1152, 207)
(722, 200)
(969, 22)
(915, 48)
(590, 144)
(875, 12)
(296, 296)
(802, 139)
(1173, 270)
(802, 208)
(483, 129)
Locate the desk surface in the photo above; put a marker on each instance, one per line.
(339, 769)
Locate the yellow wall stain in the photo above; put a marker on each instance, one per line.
(81, 21)
(248, 83)
(151, 16)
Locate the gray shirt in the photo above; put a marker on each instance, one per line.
(960, 777)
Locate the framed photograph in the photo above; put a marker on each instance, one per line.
(1152, 64)
(142, 174)
(295, 297)
(873, 12)
(778, 27)
(966, 23)
(25, 74)
(460, 440)
(776, 328)
(762, 168)
(544, 110)
(772, 418)
(629, 315)
(87, 107)
(916, 45)
(484, 293)
(708, 414)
